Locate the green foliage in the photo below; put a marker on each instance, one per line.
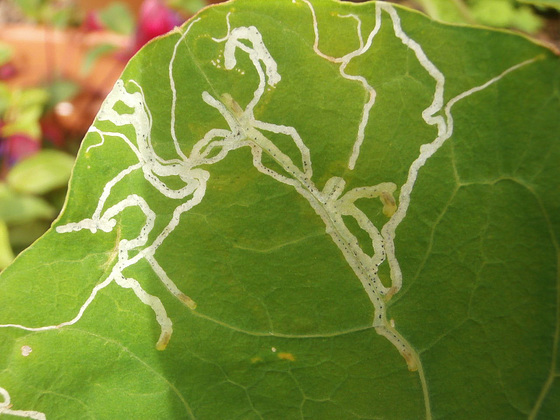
(6, 53)
(43, 172)
(22, 109)
(95, 54)
(29, 199)
(58, 14)
(21, 208)
(6, 253)
(361, 204)
(60, 90)
(30, 190)
(31, 8)
(543, 3)
(455, 11)
(495, 13)
(4, 98)
(189, 6)
(118, 18)
(505, 14)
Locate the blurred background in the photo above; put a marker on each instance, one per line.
(60, 58)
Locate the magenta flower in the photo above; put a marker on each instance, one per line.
(7, 71)
(155, 19)
(15, 148)
(92, 22)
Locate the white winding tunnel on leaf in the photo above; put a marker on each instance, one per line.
(6, 408)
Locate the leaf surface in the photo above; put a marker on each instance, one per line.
(312, 210)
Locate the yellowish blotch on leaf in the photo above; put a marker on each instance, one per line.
(163, 341)
(286, 356)
(187, 301)
(389, 203)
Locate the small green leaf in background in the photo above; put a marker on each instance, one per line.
(24, 110)
(543, 3)
(21, 208)
(452, 11)
(190, 6)
(22, 235)
(118, 18)
(59, 14)
(525, 20)
(504, 14)
(31, 8)
(6, 53)
(4, 98)
(94, 54)
(6, 253)
(299, 209)
(60, 90)
(494, 13)
(43, 172)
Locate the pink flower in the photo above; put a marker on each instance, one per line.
(155, 19)
(92, 22)
(7, 71)
(52, 131)
(17, 147)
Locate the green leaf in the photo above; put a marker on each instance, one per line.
(24, 111)
(505, 14)
(58, 17)
(543, 3)
(61, 90)
(4, 98)
(42, 172)
(118, 18)
(452, 11)
(31, 8)
(21, 208)
(525, 20)
(95, 54)
(496, 13)
(23, 235)
(6, 253)
(6, 53)
(189, 6)
(362, 202)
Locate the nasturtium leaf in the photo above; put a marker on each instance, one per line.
(303, 209)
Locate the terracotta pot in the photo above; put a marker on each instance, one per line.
(44, 54)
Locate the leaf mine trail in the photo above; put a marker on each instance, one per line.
(331, 203)
(6, 408)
